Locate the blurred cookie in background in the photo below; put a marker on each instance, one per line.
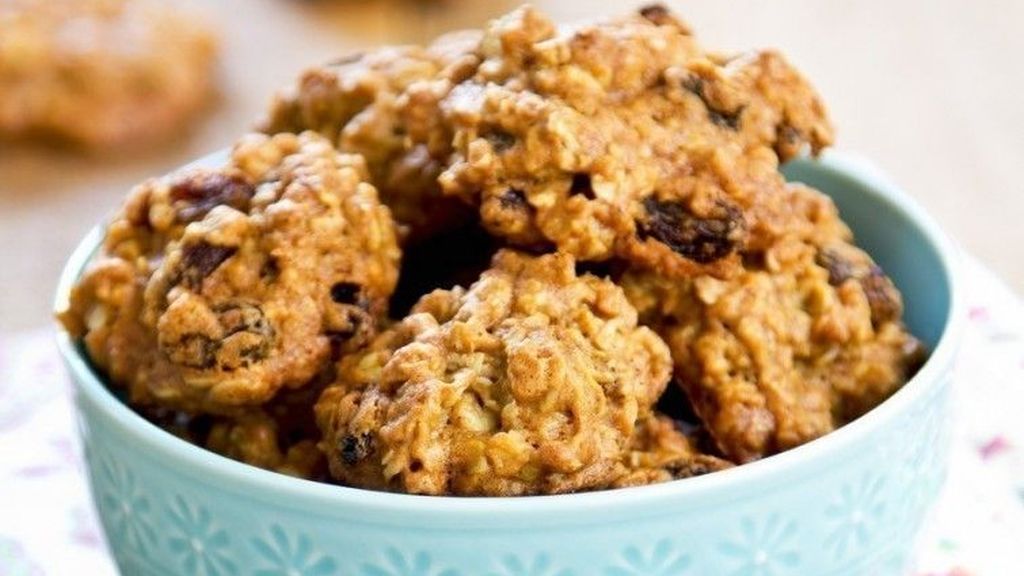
(373, 22)
(101, 74)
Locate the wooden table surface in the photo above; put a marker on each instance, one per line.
(927, 89)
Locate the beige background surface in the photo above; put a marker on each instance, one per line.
(929, 90)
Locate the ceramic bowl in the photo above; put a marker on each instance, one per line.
(850, 503)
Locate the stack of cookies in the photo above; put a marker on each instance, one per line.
(483, 267)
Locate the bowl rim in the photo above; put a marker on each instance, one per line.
(315, 495)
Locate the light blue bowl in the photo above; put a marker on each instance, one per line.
(850, 503)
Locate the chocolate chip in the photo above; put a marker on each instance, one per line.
(354, 448)
(883, 298)
(839, 268)
(200, 260)
(581, 185)
(656, 13)
(513, 199)
(345, 292)
(202, 192)
(702, 240)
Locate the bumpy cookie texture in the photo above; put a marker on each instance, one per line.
(246, 309)
(384, 105)
(807, 337)
(660, 452)
(220, 287)
(100, 73)
(279, 436)
(254, 439)
(619, 139)
(626, 139)
(531, 381)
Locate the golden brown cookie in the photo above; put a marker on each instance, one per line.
(640, 170)
(660, 452)
(529, 382)
(807, 337)
(627, 139)
(219, 287)
(618, 139)
(384, 105)
(101, 73)
(256, 439)
(279, 436)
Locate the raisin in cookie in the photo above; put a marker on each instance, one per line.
(217, 288)
(529, 382)
(100, 73)
(807, 337)
(625, 138)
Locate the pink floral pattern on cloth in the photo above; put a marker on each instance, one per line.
(48, 525)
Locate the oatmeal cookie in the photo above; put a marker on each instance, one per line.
(279, 436)
(660, 452)
(622, 139)
(220, 287)
(100, 73)
(529, 382)
(627, 139)
(806, 338)
(384, 105)
(256, 438)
